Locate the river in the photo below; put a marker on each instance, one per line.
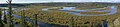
(42, 24)
(112, 10)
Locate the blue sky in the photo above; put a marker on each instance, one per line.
(43, 1)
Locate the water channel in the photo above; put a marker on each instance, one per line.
(112, 10)
(42, 24)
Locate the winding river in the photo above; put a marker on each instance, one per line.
(42, 24)
(112, 10)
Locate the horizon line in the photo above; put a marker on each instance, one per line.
(57, 2)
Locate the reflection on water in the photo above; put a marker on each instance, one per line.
(68, 8)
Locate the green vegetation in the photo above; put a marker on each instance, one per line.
(1, 24)
(93, 13)
(62, 18)
(35, 13)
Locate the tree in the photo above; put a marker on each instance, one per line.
(23, 19)
(1, 24)
(10, 13)
(71, 22)
(5, 19)
(35, 21)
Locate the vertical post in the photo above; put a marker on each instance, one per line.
(35, 22)
(10, 13)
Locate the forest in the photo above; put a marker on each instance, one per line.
(63, 18)
(32, 15)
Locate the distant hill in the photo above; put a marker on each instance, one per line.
(14, 5)
(55, 3)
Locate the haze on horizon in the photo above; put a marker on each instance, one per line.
(44, 1)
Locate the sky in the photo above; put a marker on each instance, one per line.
(44, 1)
